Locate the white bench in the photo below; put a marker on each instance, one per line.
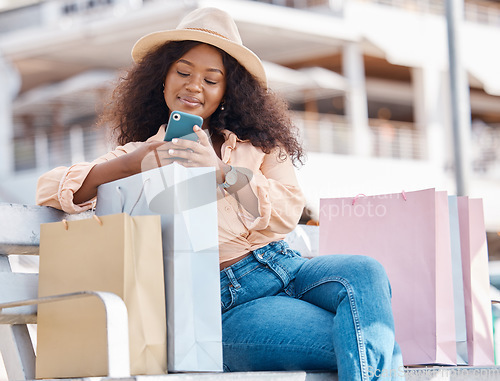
(20, 235)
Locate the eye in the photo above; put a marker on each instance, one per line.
(210, 82)
(182, 74)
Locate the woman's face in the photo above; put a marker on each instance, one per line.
(196, 82)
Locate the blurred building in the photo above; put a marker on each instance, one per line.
(367, 79)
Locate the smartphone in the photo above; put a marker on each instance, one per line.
(180, 125)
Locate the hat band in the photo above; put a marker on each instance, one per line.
(211, 32)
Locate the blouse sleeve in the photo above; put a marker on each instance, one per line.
(57, 187)
(280, 199)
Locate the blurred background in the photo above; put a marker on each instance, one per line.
(368, 82)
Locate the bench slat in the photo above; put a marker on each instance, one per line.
(15, 287)
(17, 319)
(20, 226)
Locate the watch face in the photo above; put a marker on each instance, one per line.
(231, 177)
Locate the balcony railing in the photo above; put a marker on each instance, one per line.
(333, 134)
(61, 13)
(474, 12)
(45, 151)
(319, 133)
(325, 133)
(485, 149)
(397, 140)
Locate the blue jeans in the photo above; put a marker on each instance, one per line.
(285, 312)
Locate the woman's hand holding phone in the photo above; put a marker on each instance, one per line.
(198, 153)
(184, 142)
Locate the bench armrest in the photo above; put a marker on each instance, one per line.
(116, 326)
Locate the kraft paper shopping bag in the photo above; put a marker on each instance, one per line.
(122, 255)
(409, 234)
(186, 199)
(476, 282)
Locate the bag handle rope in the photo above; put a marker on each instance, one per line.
(122, 202)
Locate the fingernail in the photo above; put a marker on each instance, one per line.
(197, 128)
(175, 140)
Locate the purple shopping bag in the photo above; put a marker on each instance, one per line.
(478, 314)
(409, 234)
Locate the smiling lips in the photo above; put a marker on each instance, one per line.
(190, 101)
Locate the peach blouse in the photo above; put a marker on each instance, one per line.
(280, 200)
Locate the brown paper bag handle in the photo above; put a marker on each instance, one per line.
(118, 189)
(66, 225)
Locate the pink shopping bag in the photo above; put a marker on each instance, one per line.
(409, 234)
(478, 315)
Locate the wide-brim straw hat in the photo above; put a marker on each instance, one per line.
(211, 26)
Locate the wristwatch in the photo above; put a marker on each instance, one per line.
(230, 178)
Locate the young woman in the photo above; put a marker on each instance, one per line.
(280, 311)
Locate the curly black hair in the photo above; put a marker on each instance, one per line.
(137, 106)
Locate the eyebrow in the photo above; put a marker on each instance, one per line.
(215, 70)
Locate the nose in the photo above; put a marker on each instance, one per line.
(194, 83)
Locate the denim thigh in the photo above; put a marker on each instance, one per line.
(278, 333)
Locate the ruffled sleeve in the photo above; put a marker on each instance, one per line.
(57, 187)
(280, 199)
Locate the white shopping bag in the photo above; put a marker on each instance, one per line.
(458, 283)
(304, 239)
(186, 199)
(478, 316)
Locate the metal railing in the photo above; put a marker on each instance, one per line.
(333, 134)
(485, 149)
(473, 11)
(45, 151)
(397, 140)
(322, 133)
(60, 13)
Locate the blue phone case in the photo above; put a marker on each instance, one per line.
(180, 125)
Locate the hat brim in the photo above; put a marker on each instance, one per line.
(243, 55)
